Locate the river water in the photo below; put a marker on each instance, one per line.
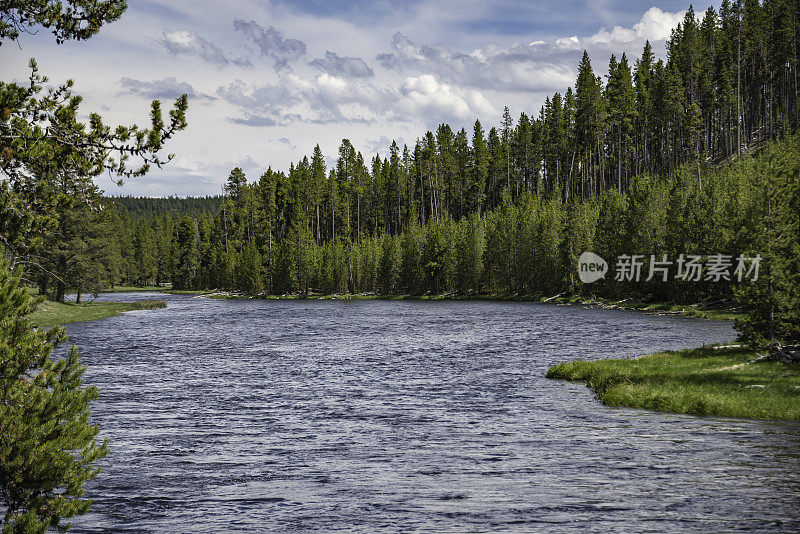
(365, 416)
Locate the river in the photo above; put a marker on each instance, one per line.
(366, 416)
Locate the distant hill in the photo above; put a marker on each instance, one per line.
(147, 207)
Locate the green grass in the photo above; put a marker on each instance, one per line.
(717, 381)
(160, 289)
(51, 313)
(134, 289)
(697, 311)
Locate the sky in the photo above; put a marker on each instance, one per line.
(269, 79)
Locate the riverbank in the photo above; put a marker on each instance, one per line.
(157, 289)
(51, 313)
(729, 381)
(714, 311)
(702, 310)
(136, 289)
(717, 311)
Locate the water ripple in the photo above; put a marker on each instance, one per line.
(373, 416)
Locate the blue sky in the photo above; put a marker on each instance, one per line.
(268, 80)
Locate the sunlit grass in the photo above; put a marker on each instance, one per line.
(729, 382)
(51, 313)
(134, 289)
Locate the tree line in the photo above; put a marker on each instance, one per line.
(261, 242)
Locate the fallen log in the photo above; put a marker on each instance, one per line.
(784, 353)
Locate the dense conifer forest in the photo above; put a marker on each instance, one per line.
(150, 207)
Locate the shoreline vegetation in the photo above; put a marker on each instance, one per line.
(697, 311)
(49, 313)
(720, 381)
(715, 311)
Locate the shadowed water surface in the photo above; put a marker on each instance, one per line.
(426, 416)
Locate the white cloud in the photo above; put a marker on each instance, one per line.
(654, 25)
(525, 67)
(349, 67)
(190, 43)
(426, 96)
(321, 99)
(272, 43)
(569, 43)
(157, 89)
(536, 66)
(284, 141)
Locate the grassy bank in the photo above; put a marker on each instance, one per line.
(51, 313)
(711, 311)
(157, 289)
(718, 381)
(135, 289)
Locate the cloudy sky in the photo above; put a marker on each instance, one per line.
(268, 79)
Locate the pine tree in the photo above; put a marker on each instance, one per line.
(248, 276)
(143, 241)
(47, 444)
(480, 169)
(506, 139)
(411, 274)
(523, 154)
(304, 256)
(773, 301)
(495, 179)
(469, 252)
(389, 264)
(643, 78)
(317, 189)
(588, 128)
(621, 98)
(187, 267)
(555, 145)
(610, 234)
(461, 154)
